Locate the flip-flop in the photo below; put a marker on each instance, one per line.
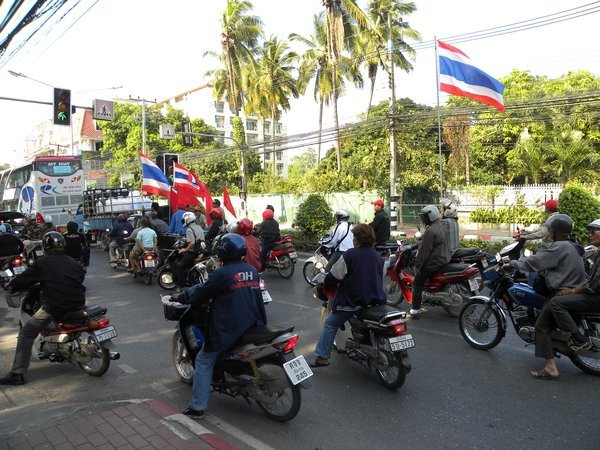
(544, 375)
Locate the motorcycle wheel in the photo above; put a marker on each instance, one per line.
(166, 279)
(308, 270)
(392, 292)
(100, 357)
(588, 365)
(148, 278)
(481, 325)
(104, 240)
(395, 375)
(181, 361)
(286, 266)
(287, 401)
(457, 288)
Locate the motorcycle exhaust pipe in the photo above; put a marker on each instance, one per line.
(115, 355)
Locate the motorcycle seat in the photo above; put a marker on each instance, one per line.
(83, 315)
(376, 313)
(262, 335)
(464, 252)
(282, 246)
(452, 268)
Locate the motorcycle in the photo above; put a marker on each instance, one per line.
(83, 337)
(148, 262)
(11, 266)
(122, 256)
(483, 320)
(317, 263)
(261, 366)
(449, 288)
(475, 256)
(378, 341)
(34, 252)
(283, 257)
(197, 273)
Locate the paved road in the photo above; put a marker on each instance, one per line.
(455, 396)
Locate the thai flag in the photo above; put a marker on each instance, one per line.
(154, 180)
(459, 77)
(184, 178)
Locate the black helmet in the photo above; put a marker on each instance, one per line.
(561, 224)
(232, 247)
(53, 243)
(72, 227)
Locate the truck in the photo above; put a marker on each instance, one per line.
(98, 213)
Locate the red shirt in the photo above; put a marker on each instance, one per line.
(253, 255)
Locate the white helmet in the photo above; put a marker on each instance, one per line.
(48, 218)
(451, 212)
(188, 218)
(429, 214)
(341, 214)
(595, 225)
(232, 227)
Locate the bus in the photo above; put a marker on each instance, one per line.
(51, 185)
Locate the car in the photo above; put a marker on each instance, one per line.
(14, 219)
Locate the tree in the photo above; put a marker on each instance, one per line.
(574, 158)
(456, 136)
(528, 159)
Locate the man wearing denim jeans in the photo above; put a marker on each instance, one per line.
(236, 307)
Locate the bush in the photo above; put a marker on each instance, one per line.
(511, 214)
(314, 217)
(581, 206)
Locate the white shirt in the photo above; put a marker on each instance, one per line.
(338, 242)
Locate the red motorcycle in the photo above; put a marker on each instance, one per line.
(283, 257)
(148, 267)
(450, 288)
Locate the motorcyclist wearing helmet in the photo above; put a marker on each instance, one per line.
(550, 209)
(119, 234)
(269, 235)
(194, 236)
(236, 307)
(561, 267)
(76, 245)
(584, 297)
(450, 224)
(62, 291)
(216, 226)
(433, 254)
(244, 228)
(341, 237)
(31, 233)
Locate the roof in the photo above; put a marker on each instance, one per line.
(88, 127)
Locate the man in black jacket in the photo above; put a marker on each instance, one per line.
(381, 223)
(60, 277)
(269, 234)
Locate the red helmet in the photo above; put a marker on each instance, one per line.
(245, 227)
(216, 213)
(267, 214)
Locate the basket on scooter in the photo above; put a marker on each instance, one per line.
(173, 310)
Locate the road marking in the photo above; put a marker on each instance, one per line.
(127, 369)
(189, 423)
(237, 433)
(180, 433)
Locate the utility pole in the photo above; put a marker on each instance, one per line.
(393, 159)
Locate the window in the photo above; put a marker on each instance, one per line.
(58, 168)
(219, 121)
(98, 146)
(267, 126)
(251, 138)
(279, 156)
(251, 125)
(219, 106)
(19, 177)
(47, 201)
(279, 169)
(220, 140)
(268, 156)
(278, 128)
(231, 120)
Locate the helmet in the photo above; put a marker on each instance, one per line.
(561, 224)
(53, 242)
(48, 218)
(231, 247)
(451, 212)
(72, 227)
(268, 214)
(232, 227)
(245, 227)
(429, 214)
(595, 225)
(31, 217)
(341, 214)
(122, 218)
(216, 213)
(188, 218)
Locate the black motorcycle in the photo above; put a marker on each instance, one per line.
(199, 270)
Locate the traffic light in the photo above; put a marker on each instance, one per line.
(62, 106)
(165, 162)
(186, 127)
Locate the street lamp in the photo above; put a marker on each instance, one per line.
(22, 75)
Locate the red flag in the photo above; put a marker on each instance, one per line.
(227, 202)
(173, 199)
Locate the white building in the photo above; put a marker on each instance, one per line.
(199, 103)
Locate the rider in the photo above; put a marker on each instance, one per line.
(175, 224)
(252, 257)
(48, 225)
(236, 307)
(381, 223)
(550, 209)
(119, 235)
(32, 231)
(194, 237)
(450, 224)
(216, 226)
(561, 267)
(341, 238)
(10, 245)
(584, 297)
(60, 277)
(269, 235)
(146, 240)
(433, 254)
(358, 272)
(76, 245)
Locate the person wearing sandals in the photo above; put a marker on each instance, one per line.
(145, 240)
(358, 272)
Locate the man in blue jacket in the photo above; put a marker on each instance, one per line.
(236, 307)
(119, 235)
(175, 226)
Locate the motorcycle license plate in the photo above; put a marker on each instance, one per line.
(266, 297)
(473, 284)
(484, 263)
(297, 370)
(401, 342)
(294, 255)
(149, 263)
(105, 333)
(39, 253)
(18, 269)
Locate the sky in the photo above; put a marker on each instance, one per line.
(154, 49)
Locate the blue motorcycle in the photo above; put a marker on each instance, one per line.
(483, 320)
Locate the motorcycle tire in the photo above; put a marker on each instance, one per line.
(166, 279)
(100, 356)
(148, 278)
(457, 288)
(104, 240)
(481, 325)
(588, 365)
(395, 375)
(392, 291)
(183, 365)
(289, 397)
(308, 270)
(286, 266)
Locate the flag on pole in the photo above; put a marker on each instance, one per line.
(154, 180)
(187, 185)
(227, 202)
(459, 77)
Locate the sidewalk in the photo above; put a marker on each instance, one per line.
(128, 424)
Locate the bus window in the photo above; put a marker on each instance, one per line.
(58, 168)
(76, 199)
(18, 178)
(48, 201)
(62, 200)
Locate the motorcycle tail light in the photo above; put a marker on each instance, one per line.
(99, 323)
(287, 345)
(17, 261)
(39, 218)
(398, 326)
(149, 257)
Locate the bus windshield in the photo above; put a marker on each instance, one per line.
(57, 168)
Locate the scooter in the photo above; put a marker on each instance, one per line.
(317, 263)
(11, 266)
(122, 256)
(148, 262)
(283, 257)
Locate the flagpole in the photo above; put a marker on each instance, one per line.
(437, 89)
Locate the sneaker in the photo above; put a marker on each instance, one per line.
(193, 413)
(13, 379)
(113, 265)
(577, 346)
(413, 314)
(319, 361)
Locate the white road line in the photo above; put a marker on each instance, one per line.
(127, 369)
(180, 433)
(250, 441)
(190, 424)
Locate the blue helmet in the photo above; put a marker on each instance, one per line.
(232, 247)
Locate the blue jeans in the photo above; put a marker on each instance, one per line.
(205, 361)
(330, 327)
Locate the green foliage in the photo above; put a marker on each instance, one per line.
(314, 216)
(581, 206)
(518, 214)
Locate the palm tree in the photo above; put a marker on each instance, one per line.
(240, 34)
(271, 83)
(574, 156)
